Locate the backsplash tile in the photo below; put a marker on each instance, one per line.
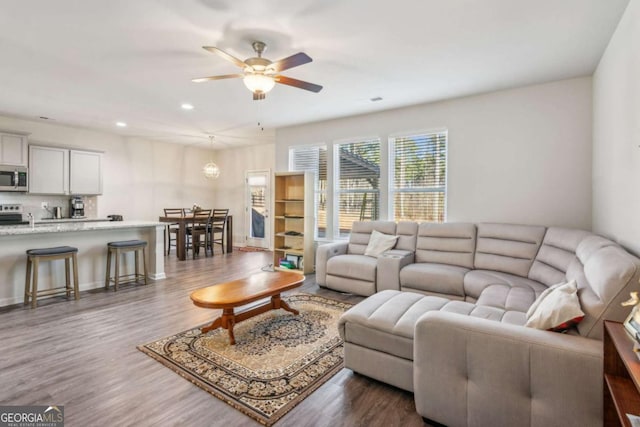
(31, 203)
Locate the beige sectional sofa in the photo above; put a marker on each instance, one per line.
(445, 318)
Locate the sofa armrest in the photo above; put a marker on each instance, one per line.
(388, 268)
(471, 371)
(323, 254)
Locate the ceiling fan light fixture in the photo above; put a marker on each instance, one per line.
(261, 74)
(260, 83)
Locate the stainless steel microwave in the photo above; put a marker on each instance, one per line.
(13, 178)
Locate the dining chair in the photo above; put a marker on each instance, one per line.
(218, 226)
(187, 212)
(171, 228)
(199, 226)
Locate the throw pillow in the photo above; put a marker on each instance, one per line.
(556, 309)
(379, 242)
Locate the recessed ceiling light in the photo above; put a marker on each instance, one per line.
(187, 107)
(121, 124)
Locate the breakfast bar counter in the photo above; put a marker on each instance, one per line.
(64, 220)
(90, 237)
(73, 226)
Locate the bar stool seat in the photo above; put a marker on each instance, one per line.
(34, 256)
(121, 247)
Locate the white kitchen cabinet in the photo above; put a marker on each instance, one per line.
(55, 170)
(85, 172)
(48, 170)
(13, 149)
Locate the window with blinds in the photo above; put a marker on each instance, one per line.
(314, 159)
(358, 177)
(418, 190)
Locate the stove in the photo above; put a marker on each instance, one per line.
(11, 214)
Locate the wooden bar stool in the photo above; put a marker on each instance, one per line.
(120, 248)
(34, 256)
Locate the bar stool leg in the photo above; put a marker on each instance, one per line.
(137, 265)
(117, 278)
(34, 285)
(27, 282)
(67, 277)
(76, 286)
(144, 264)
(107, 278)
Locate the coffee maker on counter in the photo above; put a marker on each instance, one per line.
(77, 207)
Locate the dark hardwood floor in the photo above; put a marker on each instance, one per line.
(82, 354)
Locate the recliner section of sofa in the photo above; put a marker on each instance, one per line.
(444, 254)
(342, 266)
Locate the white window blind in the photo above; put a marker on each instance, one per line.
(314, 159)
(358, 177)
(419, 176)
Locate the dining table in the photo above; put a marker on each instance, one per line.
(181, 242)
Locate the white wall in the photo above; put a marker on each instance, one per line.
(521, 155)
(140, 177)
(229, 188)
(616, 134)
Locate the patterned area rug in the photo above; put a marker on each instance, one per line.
(278, 360)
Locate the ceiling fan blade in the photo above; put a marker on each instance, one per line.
(225, 55)
(298, 83)
(290, 62)
(226, 76)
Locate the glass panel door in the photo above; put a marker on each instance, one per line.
(257, 225)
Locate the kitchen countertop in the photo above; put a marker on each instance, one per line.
(62, 220)
(72, 226)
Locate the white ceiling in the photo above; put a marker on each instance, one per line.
(91, 63)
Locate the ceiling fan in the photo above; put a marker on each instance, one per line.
(260, 74)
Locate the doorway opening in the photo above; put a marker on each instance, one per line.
(257, 202)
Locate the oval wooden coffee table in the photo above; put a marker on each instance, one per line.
(230, 295)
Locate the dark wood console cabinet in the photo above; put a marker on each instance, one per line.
(621, 376)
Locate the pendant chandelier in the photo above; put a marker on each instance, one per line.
(211, 170)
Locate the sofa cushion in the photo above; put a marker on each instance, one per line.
(361, 232)
(448, 243)
(507, 248)
(351, 286)
(386, 321)
(605, 279)
(379, 243)
(507, 297)
(434, 278)
(556, 254)
(407, 232)
(501, 290)
(557, 309)
(591, 244)
(353, 266)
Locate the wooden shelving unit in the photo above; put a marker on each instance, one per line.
(294, 220)
(621, 376)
